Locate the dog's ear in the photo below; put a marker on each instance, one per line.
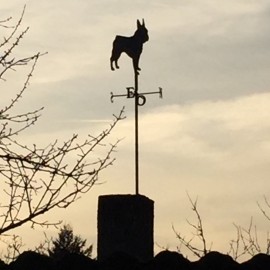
(143, 24)
(138, 24)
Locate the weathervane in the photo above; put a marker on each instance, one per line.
(133, 47)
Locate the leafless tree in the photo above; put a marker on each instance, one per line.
(265, 209)
(247, 242)
(14, 246)
(35, 180)
(198, 233)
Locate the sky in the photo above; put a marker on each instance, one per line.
(209, 135)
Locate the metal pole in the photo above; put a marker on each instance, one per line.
(136, 135)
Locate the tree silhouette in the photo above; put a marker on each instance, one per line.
(35, 180)
(246, 243)
(67, 243)
(198, 233)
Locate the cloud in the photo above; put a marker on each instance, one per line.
(214, 124)
(206, 147)
(218, 51)
(209, 135)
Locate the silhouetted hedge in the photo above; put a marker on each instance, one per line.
(165, 260)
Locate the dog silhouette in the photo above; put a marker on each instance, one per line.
(132, 46)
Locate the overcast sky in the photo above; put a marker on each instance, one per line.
(210, 134)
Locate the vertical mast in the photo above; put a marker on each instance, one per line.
(136, 135)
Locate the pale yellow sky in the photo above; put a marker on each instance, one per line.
(209, 136)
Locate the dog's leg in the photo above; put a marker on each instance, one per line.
(135, 61)
(111, 60)
(116, 63)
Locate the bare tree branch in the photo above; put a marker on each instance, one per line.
(247, 242)
(46, 178)
(263, 209)
(198, 232)
(14, 247)
(34, 179)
